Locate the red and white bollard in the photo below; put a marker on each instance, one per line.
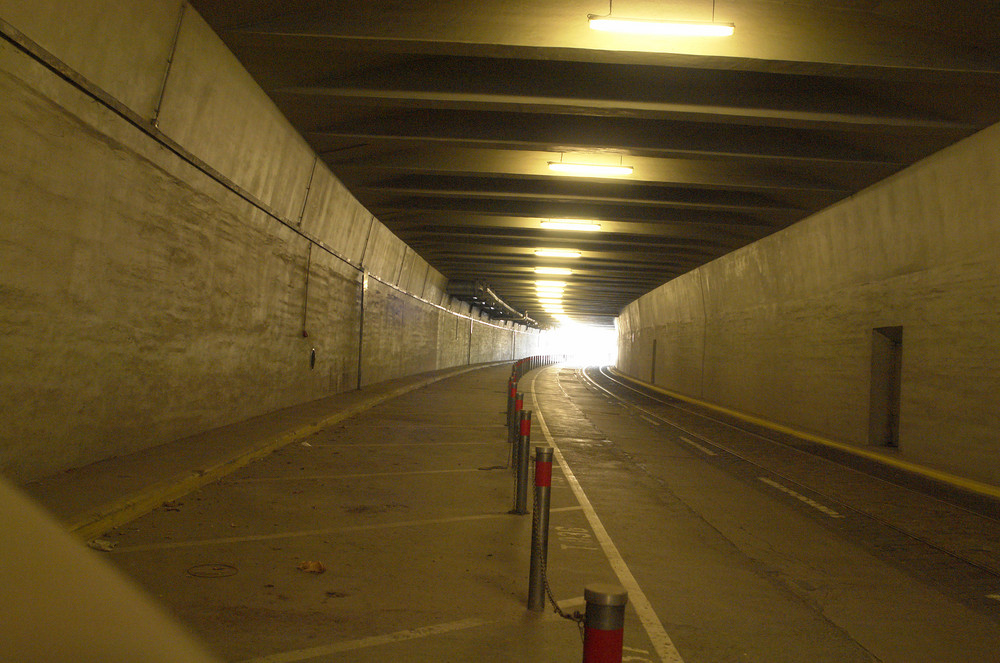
(604, 623)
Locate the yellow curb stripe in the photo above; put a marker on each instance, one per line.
(970, 485)
(126, 509)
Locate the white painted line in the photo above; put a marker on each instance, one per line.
(652, 421)
(404, 444)
(802, 498)
(374, 641)
(308, 477)
(704, 450)
(402, 423)
(170, 545)
(662, 643)
(566, 604)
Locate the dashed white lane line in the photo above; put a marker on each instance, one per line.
(802, 498)
(662, 643)
(656, 421)
(704, 450)
(374, 641)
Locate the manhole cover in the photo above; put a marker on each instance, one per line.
(212, 571)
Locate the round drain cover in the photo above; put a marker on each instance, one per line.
(212, 571)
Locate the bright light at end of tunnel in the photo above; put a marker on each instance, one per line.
(583, 345)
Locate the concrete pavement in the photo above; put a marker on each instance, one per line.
(406, 507)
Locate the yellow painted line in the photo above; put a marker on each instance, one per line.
(971, 485)
(126, 509)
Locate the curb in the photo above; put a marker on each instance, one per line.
(970, 485)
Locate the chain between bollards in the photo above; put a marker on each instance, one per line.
(540, 529)
(522, 464)
(515, 426)
(538, 581)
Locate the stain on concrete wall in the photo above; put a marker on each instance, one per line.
(158, 280)
(783, 328)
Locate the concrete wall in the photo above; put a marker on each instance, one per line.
(171, 251)
(783, 328)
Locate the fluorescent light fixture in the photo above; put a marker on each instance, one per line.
(550, 300)
(550, 284)
(556, 253)
(562, 271)
(639, 26)
(570, 225)
(585, 169)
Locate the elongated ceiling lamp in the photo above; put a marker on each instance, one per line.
(584, 226)
(641, 26)
(556, 253)
(589, 169)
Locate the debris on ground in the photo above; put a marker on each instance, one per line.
(312, 567)
(101, 544)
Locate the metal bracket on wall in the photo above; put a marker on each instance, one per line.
(155, 120)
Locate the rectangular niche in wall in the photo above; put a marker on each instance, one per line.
(652, 365)
(886, 384)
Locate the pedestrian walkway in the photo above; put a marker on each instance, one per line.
(91, 500)
(373, 526)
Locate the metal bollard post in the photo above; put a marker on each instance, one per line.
(523, 463)
(540, 529)
(604, 623)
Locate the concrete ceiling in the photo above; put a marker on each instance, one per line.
(441, 118)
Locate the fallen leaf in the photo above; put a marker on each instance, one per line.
(312, 567)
